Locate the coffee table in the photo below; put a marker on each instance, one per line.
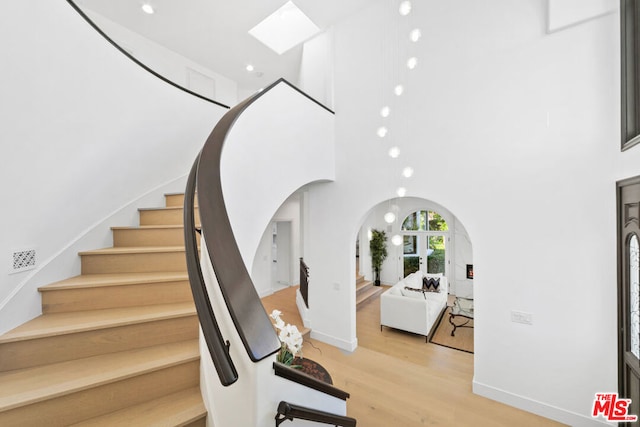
(462, 307)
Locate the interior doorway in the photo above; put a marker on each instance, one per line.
(628, 197)
(281, 274)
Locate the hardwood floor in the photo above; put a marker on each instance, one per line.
(396, 379)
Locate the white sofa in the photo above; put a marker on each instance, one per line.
(413, 310)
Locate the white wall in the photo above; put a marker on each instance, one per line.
(282, 142)
(85, 132)
(316, 68)
(517, 133)
(262, 262)
(167, 63)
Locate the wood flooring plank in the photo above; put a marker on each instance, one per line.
(396, 379)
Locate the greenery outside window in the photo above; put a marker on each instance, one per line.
(424, 240)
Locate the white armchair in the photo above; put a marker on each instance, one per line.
(413, 311)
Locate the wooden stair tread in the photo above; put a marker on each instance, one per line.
(54, 324)
(375, 290)
(114, 279)
(172, 410)
(152, 227)
(164, 208)
(360, 286)
(30, 385)
(133, 250)
(149, 227)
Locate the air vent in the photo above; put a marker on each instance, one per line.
(23, 260)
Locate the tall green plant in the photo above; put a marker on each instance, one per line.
(378, 250)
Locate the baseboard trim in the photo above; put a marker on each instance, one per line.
(349, 346)
(265, 293)
(535, 407)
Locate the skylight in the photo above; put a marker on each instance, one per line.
(285, 28)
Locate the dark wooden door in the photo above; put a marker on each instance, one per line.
(629, 291)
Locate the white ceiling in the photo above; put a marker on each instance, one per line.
(215, 32)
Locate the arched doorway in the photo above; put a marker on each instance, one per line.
(421, 229)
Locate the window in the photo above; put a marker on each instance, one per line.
(425, 235)
(634, 295)
(630, 54)
(424, 221)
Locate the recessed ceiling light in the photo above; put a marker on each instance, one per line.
(398, 90)
(147, 8)
(412, 63)
(382, 131)
(287, 27)
(401, 191)
(249, 67)
(385, 111)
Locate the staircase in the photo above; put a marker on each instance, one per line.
(365, 291)
(117, 345)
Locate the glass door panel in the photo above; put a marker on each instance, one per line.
(411, 255)
(435, 252)
(634, 296)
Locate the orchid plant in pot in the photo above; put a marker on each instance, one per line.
(290, 339)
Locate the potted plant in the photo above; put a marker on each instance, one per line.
(378, 250)
(290, 339)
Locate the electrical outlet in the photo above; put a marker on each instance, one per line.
(522, 317)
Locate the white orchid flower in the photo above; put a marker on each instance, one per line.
(289, 336)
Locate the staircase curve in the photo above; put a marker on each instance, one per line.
(262, 130)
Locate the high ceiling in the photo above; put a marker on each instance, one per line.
(214, 33)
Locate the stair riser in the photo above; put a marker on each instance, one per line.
(176, 200)
(202, 422)
(363, 289)
(103, 399)
(134, 263)
(134, 237)
(97, 298)
(60, 348)
(164, 217)
(173, 200)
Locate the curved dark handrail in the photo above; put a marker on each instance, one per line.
(249, 317)
(289, 411)
(299, 377)
(243, 303)
(218, 347)
(134, 59)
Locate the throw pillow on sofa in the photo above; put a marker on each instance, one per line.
(413, 293)
(413, 280)
(431, 284)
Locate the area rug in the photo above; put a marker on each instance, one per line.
(463, 340)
